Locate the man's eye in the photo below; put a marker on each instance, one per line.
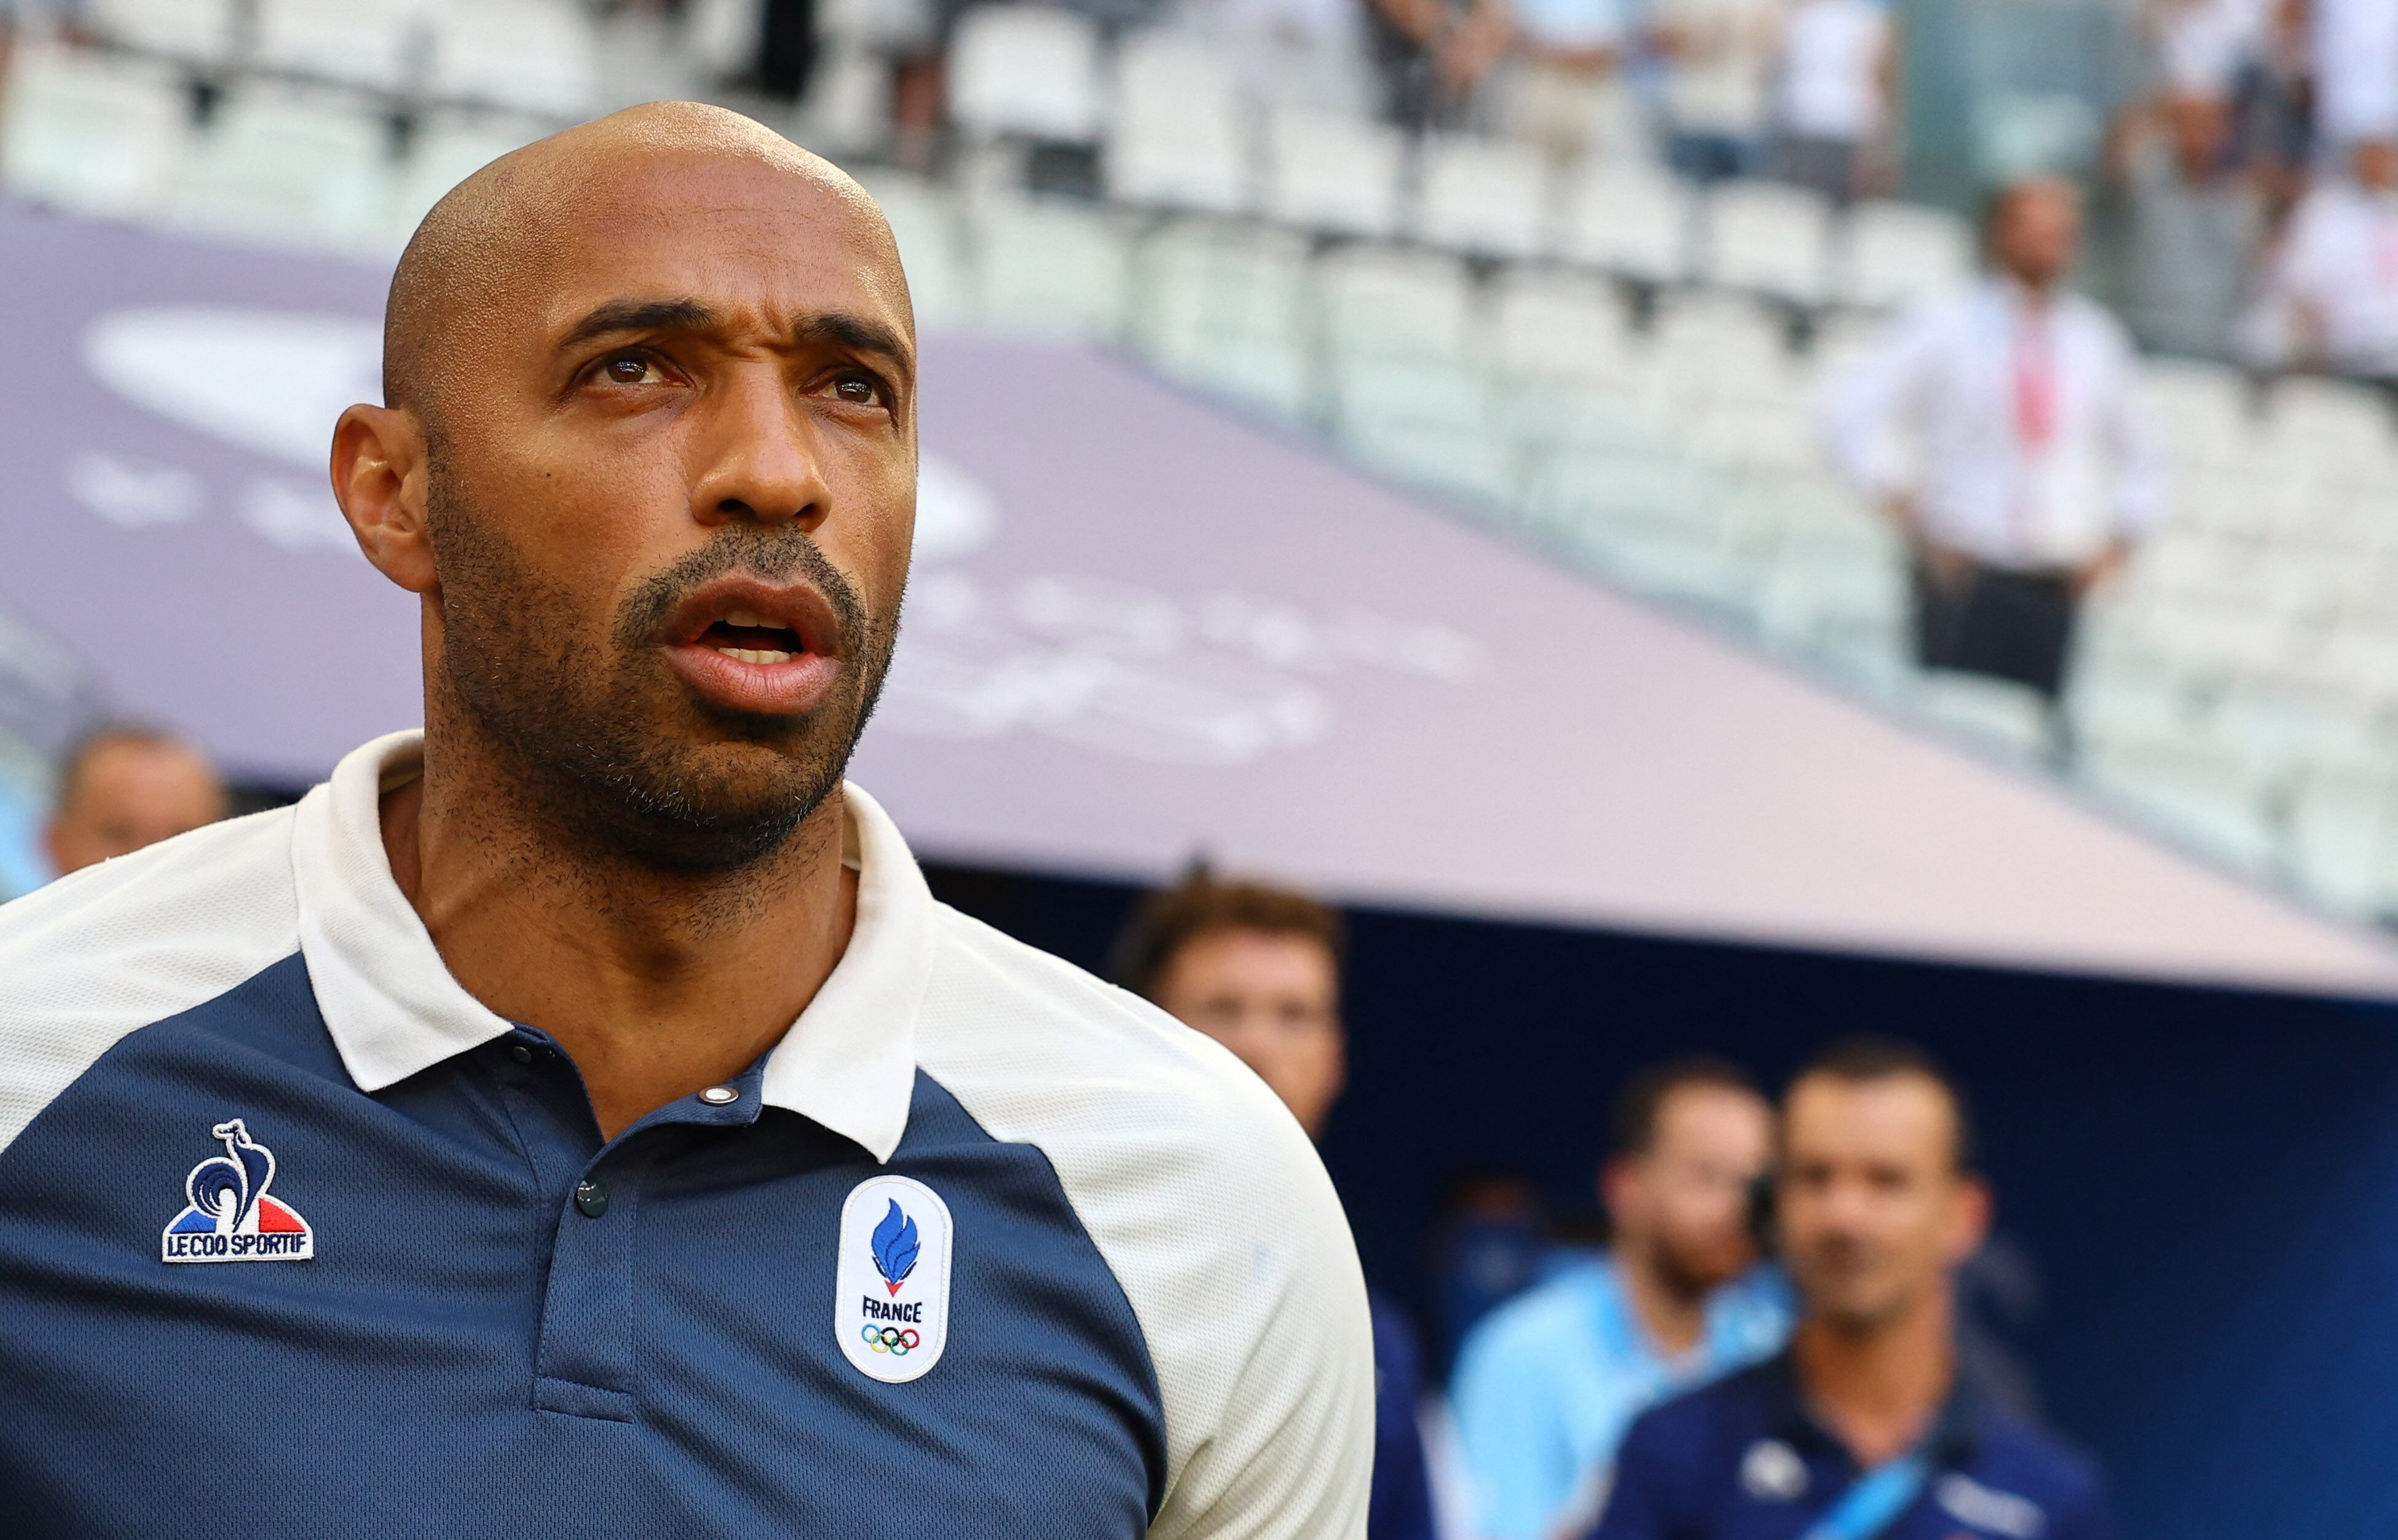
(859, 390)
(630, 368)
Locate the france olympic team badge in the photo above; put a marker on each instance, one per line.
(891, 1313)
(229, 1217)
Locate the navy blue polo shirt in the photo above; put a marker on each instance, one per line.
(1742, 1459)
(298, 1239)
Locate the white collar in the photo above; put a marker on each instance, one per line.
(394, 1010)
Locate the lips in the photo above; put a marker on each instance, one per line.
(757, 647)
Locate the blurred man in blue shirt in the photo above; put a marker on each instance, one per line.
(1258, 968)
(1547, 1384)
(1865, 1428)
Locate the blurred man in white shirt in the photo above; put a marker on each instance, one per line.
(2034, 469)
(1718, 59)
(2330, 298)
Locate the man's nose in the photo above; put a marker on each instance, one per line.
(757, 455)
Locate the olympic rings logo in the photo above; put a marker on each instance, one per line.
(890, 1338)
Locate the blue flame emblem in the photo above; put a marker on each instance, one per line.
(895, 1247)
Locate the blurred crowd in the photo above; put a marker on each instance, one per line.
(1771, 1337)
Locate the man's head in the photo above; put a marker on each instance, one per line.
(2374, 164)
(648, 452)
(1878, 1198)
(2200, 129)
(1258, 968)
(2033, 230)
(124, 787)
(1690, 1139)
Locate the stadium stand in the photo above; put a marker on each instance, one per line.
(1599, 358)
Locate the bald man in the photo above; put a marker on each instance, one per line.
(578, 1119)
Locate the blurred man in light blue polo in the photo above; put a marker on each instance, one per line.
(1545, 1387)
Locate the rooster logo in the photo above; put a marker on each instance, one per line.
(230, 1218)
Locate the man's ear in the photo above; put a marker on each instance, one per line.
(1974, 1214)
(379, 479)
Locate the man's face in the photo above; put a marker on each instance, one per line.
(1687, 1197)
(1874, 1212)
(670, 494)
(2039, 233)
(1273, 999)
(128, 795)
(2374, 163)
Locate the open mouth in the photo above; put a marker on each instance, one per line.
(747, 637)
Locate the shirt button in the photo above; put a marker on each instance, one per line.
(521, 1054)
(720, 1096)
(592, 1199)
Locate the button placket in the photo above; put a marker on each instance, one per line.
(588, 1331)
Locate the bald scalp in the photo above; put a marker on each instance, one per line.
(489, 237)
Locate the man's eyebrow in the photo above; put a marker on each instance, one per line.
(855, 331)
(641, 315)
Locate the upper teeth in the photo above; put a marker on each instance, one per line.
(743, 617)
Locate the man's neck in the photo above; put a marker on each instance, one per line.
(1674, 1319)
(1879, 1388)
(656, 984)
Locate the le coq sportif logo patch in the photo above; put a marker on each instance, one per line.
(228, 1215)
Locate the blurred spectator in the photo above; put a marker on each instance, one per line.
(1435, 55)
(1718, 57)
(1835, 88)
(1562, 86)
(1864, 1428)
(1547, 1384)
(2196, 223)
(1259, 969)
(2330, 295)
(124, 787)
(2036, 468)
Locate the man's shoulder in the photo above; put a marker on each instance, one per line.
(1199, 1191)
(2020, 1457)
(1718, 1416)
(219, 886)
(1020, 1022)
(112, 949)
(1553, 1318)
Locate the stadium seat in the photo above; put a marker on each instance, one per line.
(1026, 72)
(2342, 843)
(295, 164)
(1332, 173)
(1769, 238)
(1382, 302)
(1548, 326)
(198, 33)
(847, 109)
(91, 131)
(1486, 198)
(1177, 138)
(1631, 221)
(1898, 254)
(534, 56)
(448, 148)
(382, 45)
(1050, 267)
(1715, 347)
(2190, 791)
(1992, 715)
(1225, 307)
(926, 223)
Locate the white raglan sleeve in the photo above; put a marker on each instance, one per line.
(1210, 1207)
(1288, 1451)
